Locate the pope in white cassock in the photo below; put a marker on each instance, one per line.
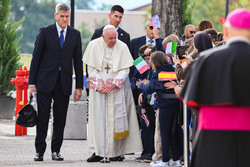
(108, 61)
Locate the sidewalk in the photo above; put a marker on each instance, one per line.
(19, 151)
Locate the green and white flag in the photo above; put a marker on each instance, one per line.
(141, 65)
(170, 47)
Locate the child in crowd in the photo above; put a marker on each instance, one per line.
(168, 105)
(147, 116)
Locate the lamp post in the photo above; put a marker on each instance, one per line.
(72, 18)
(226, 11)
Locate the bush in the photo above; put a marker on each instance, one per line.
(9, 50)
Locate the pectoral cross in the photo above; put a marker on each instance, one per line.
(107, 68)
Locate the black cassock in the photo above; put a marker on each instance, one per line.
(221, 76)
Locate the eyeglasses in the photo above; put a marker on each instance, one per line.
(192, 32)
(151, 27)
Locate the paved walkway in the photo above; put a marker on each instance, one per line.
(18, 151)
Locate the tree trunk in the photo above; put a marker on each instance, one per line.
(170, 15)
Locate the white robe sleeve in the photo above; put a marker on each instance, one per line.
(93, 73)
(93, 78)
(120, 78)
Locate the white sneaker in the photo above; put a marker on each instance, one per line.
(175, 163)
(170, 162)
(159, 164)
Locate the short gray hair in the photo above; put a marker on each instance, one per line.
(108, 27)
(189, 25)
(62, 7)
(148, 22)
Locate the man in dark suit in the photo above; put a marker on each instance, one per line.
(149, 38)
(57, 49)
(115, 18)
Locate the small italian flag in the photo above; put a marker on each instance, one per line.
(164, 76)
(170, 47)
(145, 118)
(141, 65)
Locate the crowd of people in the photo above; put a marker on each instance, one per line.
(157, 100)
(132, 111)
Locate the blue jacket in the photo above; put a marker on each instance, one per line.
(136, 77)
(158, 87)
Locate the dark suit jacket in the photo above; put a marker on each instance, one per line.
(49, 59)
(136, 43)
(122, 35)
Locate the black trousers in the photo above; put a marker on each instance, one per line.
(147, 132)
(170, 133)
(60, 107)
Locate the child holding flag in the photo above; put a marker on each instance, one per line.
(168, 105)
(147, 116)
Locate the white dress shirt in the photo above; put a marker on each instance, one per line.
(147, 41)
(59, 29)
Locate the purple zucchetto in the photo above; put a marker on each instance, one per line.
(239, 18)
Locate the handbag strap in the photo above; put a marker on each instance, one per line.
(31, 98)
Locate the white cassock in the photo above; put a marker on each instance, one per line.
(122, 128)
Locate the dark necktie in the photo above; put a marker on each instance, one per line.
(61, 38)
(151, 41)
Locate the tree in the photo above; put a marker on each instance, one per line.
(84, 4)
(209, 10)
(170, 14)
(9, 50)
(85, 34)
(148, 14)
(100, 22)
(240, 4)
(38, 14)
(105, 6)
(187, 6)
(212, 10)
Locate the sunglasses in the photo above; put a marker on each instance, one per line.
(151, 27)
(192, 32)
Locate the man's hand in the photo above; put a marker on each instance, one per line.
(156, 33)
(77, 94)
(32, 89)
(110, 87)
(106, 89)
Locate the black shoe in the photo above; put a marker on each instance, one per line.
(56, 156)
(119, 158)
(144, 158)
(147, 158)
(139, 159)
(38, 157)
(94, 158)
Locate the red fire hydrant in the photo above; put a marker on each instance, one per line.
(21, 83)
